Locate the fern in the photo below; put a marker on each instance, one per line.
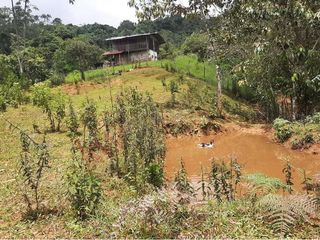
(260, 184)
(285, 212)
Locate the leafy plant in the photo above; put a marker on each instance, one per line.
(84, 188)
(204, 186)
(283, 129)
(285, 212)
(287, 170)
(174, 88)
(33, 162)
(182, 184)
(90, 121)
(72, 121)
(259, 184)
(225, 179)
(53, 104)
(135, 144)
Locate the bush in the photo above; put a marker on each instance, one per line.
(306, 140)
(141, 157)
(3, 104)
(314, 119)
(56, 79)
(283, 129)
(84, 190)
(53, 104)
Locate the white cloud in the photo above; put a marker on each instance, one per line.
(110, 12)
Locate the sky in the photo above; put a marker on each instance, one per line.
(111, 12)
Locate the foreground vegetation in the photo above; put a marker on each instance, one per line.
(85, 188)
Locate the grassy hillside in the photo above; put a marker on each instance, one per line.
(187, 65)
(193, 105)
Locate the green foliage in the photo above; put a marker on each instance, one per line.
(197, 44)
(182, 183)
(303, 142)
(84, 188)
(198, 96)
(283, 213)
(315, 119)
(225, 179)
(260, 184)
(81, 55)
(56, 79)
(191, 66)
(141, 134)
(287, 170)
(11, 92)
(174, 88)
(90, 120)
(3, 104)
(53, 104)
(34, 65)
(34, 161)
(283, 129)
(72, 121)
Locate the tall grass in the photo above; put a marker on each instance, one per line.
(188, 65)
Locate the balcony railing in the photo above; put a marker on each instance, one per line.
(131, 47)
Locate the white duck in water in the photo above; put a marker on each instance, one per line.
(206, 145)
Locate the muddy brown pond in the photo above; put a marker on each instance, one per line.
(256, 154)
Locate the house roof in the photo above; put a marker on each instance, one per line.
(155, 34)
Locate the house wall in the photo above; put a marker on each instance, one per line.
(136, 44)
(143, 56)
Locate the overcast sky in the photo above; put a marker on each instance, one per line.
(110, 12)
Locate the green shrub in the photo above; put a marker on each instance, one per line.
(57, 79)
(283, 129)
(84, 190)
(53, 104)
(174, 88)
(72, 121)
(314, 119)
(3, 104)
(306, 139)
(140, 158)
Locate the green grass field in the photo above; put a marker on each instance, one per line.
(187, 65)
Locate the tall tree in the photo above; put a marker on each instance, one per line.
(81, 55)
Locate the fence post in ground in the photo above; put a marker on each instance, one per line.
(219, 90)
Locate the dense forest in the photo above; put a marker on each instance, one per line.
(217, 138)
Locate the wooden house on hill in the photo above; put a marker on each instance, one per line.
(134, 48)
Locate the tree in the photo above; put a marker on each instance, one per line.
(126, 27)
(81, 55)
(205, 9)
(197, 43)
(273, 46)
(283, 53)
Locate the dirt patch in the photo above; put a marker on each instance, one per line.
(314, 149)
(71, 89)
(86, 87)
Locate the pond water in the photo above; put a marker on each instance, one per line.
(256, 153)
